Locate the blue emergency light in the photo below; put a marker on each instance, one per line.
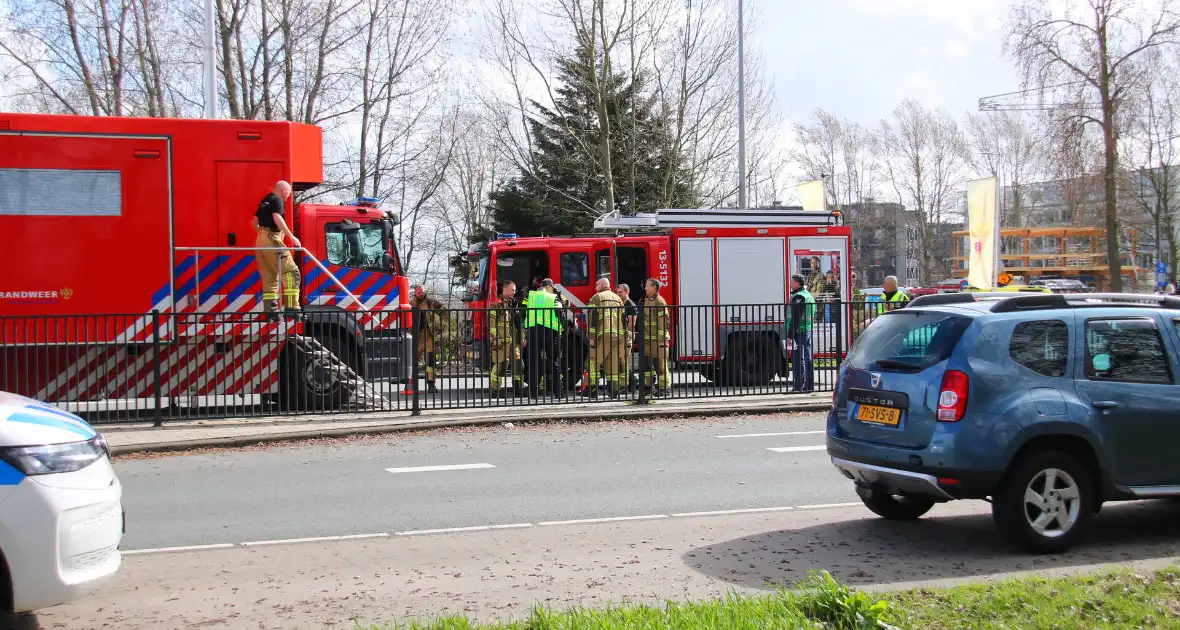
(367, 202)
(504, 237)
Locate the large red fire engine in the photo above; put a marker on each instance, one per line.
(727, 271)
(152, 217)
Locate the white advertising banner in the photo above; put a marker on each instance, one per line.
(983, 239)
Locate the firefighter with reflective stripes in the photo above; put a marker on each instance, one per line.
(604, 318)
(431, 320)
(276, 267)
(504, 339)
(655, 338)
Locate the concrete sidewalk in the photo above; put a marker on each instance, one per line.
(229, 432)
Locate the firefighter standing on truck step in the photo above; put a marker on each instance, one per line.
(277, 268)
(504, 337)
(604, 317)
(430, 325)
(655, 338)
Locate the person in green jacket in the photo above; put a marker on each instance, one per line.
(542, 328)
(802, 316)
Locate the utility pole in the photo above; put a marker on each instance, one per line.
(210, 62)
(742, 205)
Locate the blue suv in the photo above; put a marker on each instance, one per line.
(1046, 405)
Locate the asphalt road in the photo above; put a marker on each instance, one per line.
(506, 475)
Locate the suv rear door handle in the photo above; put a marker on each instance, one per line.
(1104, 404)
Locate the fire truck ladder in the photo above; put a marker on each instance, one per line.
(332, 364)
(718, 218)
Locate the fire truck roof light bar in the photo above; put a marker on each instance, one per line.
(675, 217)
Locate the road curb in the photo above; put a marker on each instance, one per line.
(647, 413)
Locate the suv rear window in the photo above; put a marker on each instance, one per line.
(908, 340)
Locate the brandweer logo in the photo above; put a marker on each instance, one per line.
(37, 296)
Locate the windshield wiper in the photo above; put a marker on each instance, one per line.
(899, 365)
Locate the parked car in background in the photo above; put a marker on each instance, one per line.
(61, 514)
(1046, 405)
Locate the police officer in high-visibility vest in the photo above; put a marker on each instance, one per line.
(542, 327)
(655, 338)
(604, 317)
(802, 316)
(892, 297)
(504, 341)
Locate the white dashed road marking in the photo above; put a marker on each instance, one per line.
(752, 435)
(414, 469)
(482, 528)
(796, 449)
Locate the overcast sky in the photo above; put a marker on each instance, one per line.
(858, 58)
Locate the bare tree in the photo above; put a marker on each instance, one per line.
(97, 57)
(1007, 146)
(1097, 48)
(924, 156)
(1152, 177)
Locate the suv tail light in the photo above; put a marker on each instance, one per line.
(952, 397)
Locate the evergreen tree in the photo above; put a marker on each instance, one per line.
(567, 189)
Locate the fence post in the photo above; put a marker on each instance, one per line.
(643, 366)
(158, 412)
(415, 326)
(843, 318)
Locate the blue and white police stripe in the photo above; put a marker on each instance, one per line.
(25, 422)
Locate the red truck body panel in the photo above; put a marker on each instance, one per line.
(124, 216)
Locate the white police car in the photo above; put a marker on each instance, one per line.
(61, 514)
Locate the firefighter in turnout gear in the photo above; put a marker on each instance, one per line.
(431, 320)
(604, 316)
(276, 267)
(655, 337)
(503, 336)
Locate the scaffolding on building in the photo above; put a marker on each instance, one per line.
(1061, 252)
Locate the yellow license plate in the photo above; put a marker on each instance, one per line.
(878, 415)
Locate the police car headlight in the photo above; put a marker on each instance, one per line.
(54, 458)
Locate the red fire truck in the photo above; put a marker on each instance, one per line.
(151, 219)
(727, 271)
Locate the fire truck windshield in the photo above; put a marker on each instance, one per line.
(360, 246)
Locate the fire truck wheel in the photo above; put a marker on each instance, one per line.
(309, 383)
(749, 361)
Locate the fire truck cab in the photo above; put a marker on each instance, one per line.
(727, 272)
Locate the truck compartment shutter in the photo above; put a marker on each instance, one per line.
(696, 325)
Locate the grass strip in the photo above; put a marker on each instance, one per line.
(1121, 599)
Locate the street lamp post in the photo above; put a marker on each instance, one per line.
(742, 203)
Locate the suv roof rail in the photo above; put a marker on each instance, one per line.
(1018, 303)
(942, 298)
(1012, 302)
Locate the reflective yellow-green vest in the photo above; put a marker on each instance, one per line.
(898, 298)
(542, 310)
